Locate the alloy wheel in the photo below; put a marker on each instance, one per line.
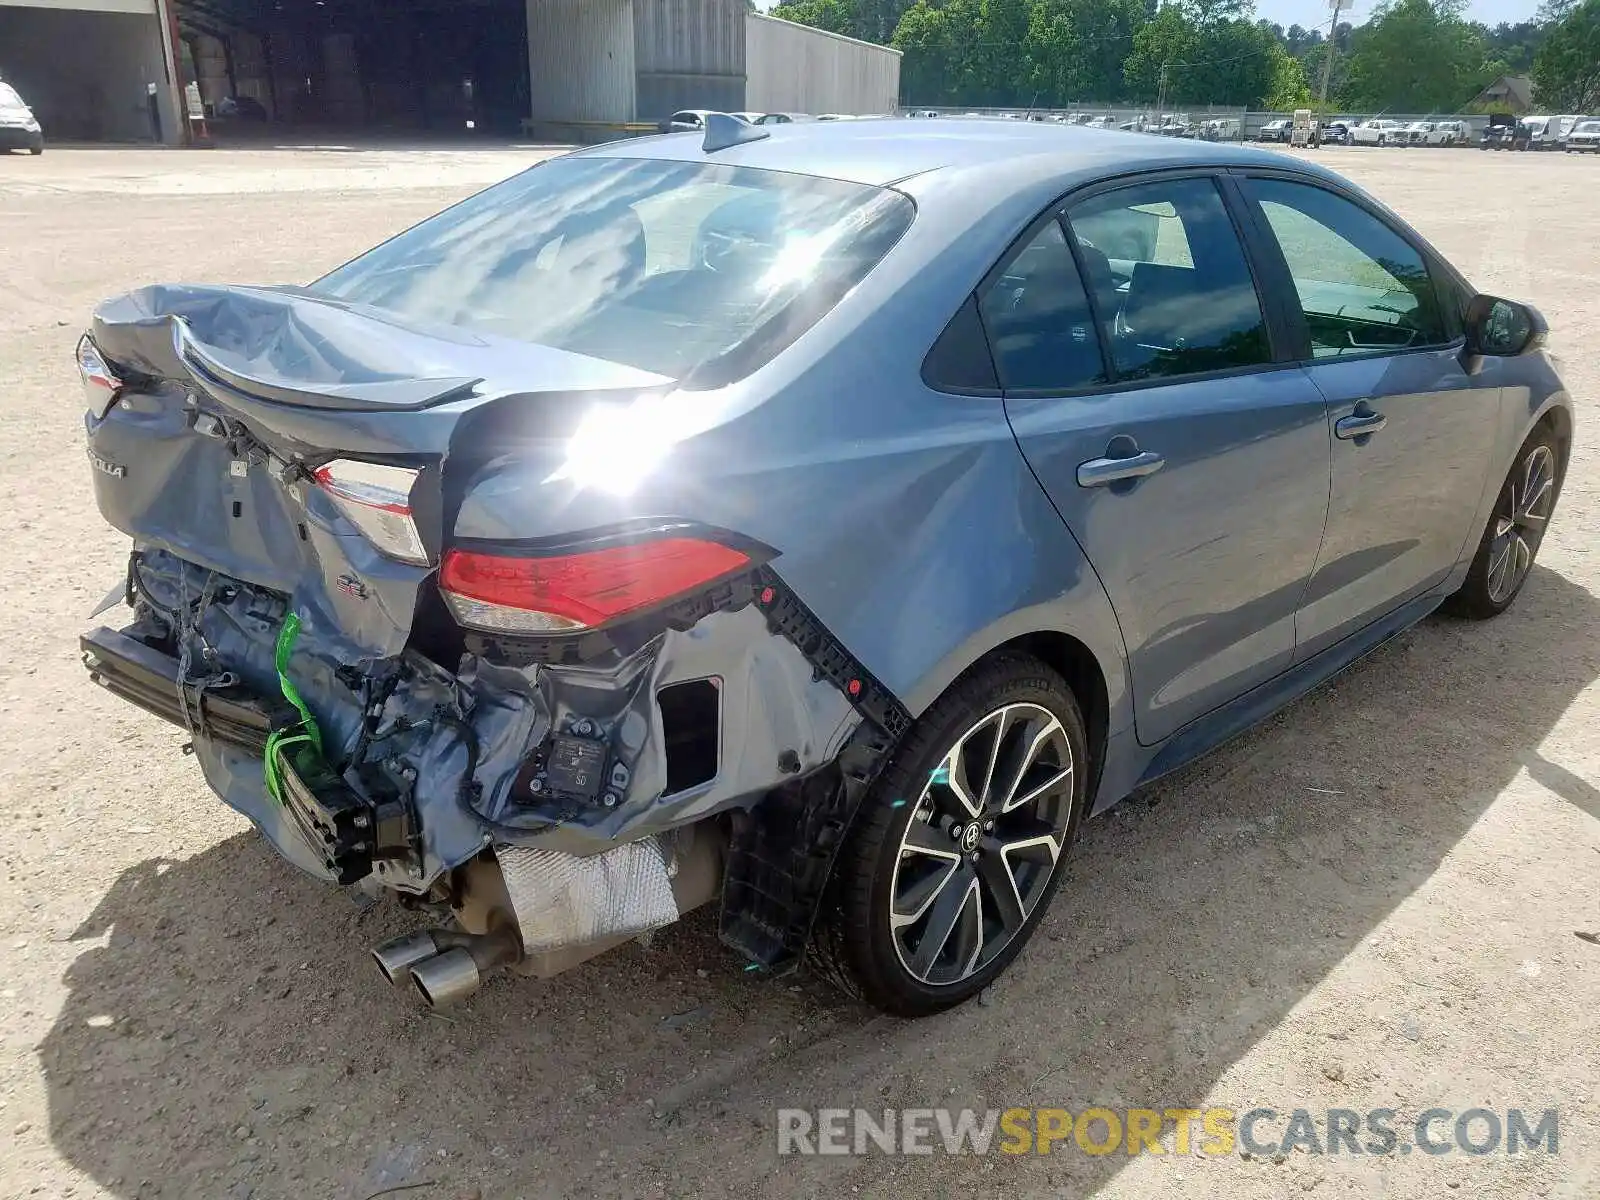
(1519, 523)
(982, 843)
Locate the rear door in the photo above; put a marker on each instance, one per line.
(1412, 430)
(1141, 381)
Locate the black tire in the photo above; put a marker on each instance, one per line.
(856, 946)
(1485, 593)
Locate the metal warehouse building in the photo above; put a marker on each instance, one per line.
(639, 60)
(87, 67)
(558, 68)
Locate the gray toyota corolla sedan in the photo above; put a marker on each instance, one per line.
(818, 521)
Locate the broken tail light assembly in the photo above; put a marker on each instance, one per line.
(101, 384)
(378, 500)
(579, 589)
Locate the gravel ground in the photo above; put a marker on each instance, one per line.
(1371, 901)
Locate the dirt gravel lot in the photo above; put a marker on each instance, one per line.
(1383, 898)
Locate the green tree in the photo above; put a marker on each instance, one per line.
(1566, 71)
(1415, 56)
(1076, 48)
(836, 16)
(1000, 70)
(1161, 48)
(1201, 54)
(1513, 46)
(1289, 88)
(937, 46)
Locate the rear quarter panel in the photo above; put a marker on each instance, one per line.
(906, 519)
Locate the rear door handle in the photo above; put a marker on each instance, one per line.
(1359, 423)
(1098, 472)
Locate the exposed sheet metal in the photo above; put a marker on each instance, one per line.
(581, 60)
(795, 68)
(561, 900)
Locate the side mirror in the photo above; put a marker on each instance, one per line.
(1503, 328)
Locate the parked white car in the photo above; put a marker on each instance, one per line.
(1449, 133)
(1416, 133)
(1585, 136)
(1379, 132)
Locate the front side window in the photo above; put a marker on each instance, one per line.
(1172, 286)
(1362, 287)
(699, 272)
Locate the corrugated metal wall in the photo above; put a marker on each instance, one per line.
(581, 60)
(793, 68)
(688, 54)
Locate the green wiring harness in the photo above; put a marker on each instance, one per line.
(302, 736)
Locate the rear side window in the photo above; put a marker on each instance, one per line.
(696, 271)
(1040, 326)
(1172, 286)
(1362, 287)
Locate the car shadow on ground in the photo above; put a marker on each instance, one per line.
(229, 1038)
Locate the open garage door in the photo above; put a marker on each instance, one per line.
(434, 66)
(86, 68)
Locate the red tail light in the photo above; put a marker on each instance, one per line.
(566, 592)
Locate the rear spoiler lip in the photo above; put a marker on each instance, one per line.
(395, 395)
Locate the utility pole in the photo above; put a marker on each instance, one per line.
(1337, 6)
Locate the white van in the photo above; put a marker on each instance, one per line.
(1543, 132)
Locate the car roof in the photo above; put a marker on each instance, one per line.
(885, 150)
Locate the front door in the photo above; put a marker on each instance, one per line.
(1412, 431)
(1192, 470)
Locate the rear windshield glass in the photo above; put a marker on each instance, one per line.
(9, 98)
(700, 272)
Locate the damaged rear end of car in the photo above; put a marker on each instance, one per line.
(551, 739)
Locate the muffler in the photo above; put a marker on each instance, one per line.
(447, 965)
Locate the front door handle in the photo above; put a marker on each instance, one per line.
(1098, 472)
(1359, 423)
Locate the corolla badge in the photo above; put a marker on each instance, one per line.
(106, 466)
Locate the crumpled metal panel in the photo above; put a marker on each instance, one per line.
(772, 703)
(562, 900)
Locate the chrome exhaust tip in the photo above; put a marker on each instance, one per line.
(446, 978)
(397, 957)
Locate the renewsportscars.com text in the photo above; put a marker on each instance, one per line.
(1261, 1132)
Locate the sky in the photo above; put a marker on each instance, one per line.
(1315, 12)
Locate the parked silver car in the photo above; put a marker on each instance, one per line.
(1585, 137)
(546, 567)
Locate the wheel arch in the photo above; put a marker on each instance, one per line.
(1097, 676)
(1075, 662)
(1557, 417)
